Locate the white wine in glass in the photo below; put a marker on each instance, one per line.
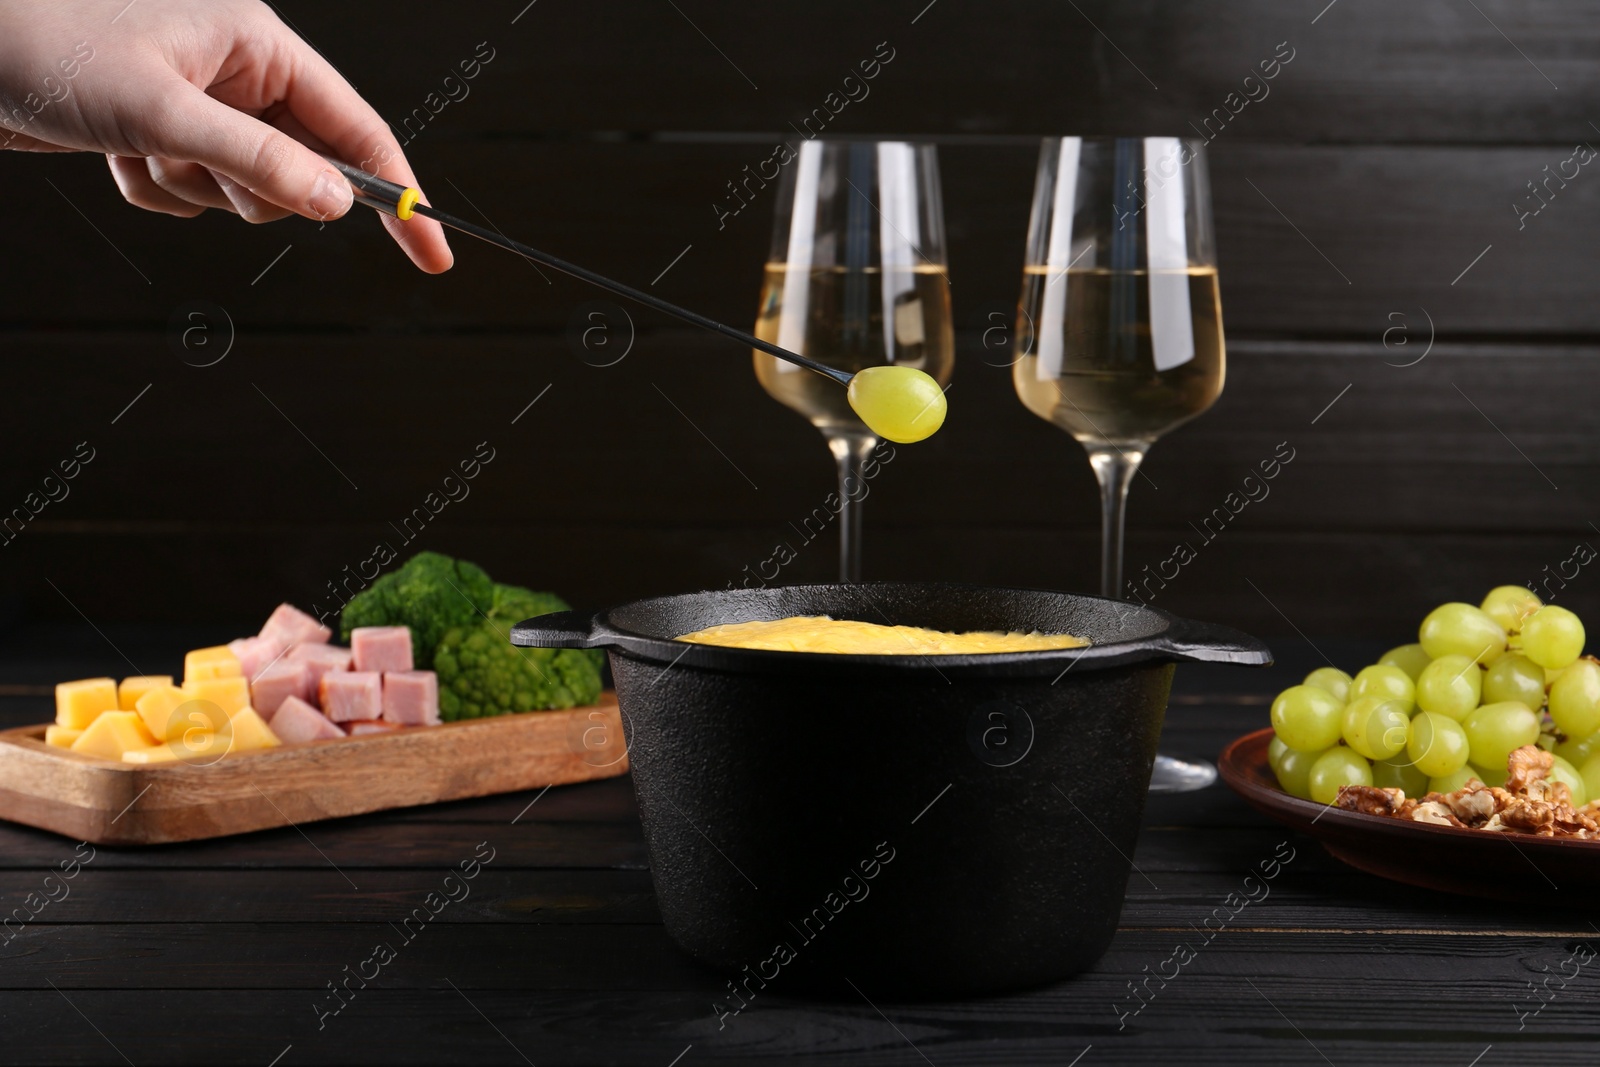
(1120, 322)
(856, 279)
(1109, 389)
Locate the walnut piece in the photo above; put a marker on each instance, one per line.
(1530, 816)
(1471, 806)
(1432, 811)
(1550, 791)
(1571, 823)
(1526, 765)
(1530, 803)
(1369, 800)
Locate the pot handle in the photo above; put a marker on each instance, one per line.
(561, 629)
(1204, 642)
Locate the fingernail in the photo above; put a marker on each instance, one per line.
(331, 197)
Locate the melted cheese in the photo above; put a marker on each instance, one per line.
(818, 633)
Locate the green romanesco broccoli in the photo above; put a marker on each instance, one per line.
(481, 673)
(430, 593)
(513, 603)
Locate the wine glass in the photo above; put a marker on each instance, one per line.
(1120, 323)
(856, 278)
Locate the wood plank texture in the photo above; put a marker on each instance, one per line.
(1211, 1014)
(1313, 241)
(1317, 894)
(348, 844)
(1353, 205)
(108, 803)
(1408, 485)
(585, 957)
(558, 946)
(1364, 70)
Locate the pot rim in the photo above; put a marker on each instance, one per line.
(1172, 639)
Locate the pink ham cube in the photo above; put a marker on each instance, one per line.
(277, 683)
(289, 626)
(255, 653)
(351, 695)
(381, 648)
(297, 721)
(411, 698)
(377, 726)
(319, 660)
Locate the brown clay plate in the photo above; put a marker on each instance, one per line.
(1475, 863)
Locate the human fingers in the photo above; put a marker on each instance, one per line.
(189, 184)
(250, 207)
(188, 181)
(140, 189)
(324, 106)
(246, 155)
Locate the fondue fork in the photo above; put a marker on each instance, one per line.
(403, 202)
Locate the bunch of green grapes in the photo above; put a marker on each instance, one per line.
(1479, 683)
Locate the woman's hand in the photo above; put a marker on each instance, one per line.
(197, 104)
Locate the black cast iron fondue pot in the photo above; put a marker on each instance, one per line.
(918, 825)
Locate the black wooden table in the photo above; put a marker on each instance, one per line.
(229, 951)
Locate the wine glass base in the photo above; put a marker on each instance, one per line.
(1180, 776)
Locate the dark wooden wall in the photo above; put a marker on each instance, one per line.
(1351, 201)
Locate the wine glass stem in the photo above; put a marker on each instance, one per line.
(1114, 467)
(850, 452)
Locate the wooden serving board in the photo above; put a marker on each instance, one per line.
(108, 803)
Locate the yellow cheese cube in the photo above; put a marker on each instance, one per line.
(169, 712)
(214, 662)
(159, 710)
(232, 695)
(251, 731)
(77, 703)
(154, 754)
(61, 736)
(200, 747)
(112, 733)
(131, 689)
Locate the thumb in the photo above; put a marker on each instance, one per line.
(263, 159)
